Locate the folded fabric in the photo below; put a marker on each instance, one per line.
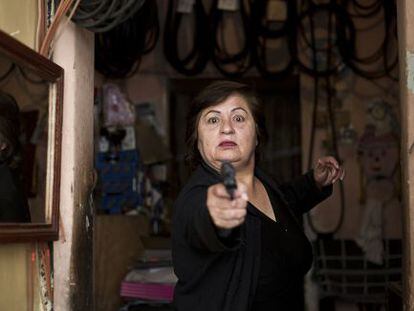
(371, 233)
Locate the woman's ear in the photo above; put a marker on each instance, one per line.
(3, 146)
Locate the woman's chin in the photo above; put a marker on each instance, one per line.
(228, 156)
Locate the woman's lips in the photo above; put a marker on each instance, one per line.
(227, 143)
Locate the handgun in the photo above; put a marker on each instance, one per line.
(228, 176)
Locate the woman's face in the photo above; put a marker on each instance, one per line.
(227, 132)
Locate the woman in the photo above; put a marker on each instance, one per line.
(13, 202)
(249, 252)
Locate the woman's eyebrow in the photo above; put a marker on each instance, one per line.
(212, 111)
(219, 112)
(241, 108)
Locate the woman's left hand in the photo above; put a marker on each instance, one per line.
(327, 172)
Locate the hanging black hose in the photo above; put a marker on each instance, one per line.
(222, 58)
(196, 59)
(331, 115)
(315, 100)
(104, 15)
(265, 31)
(364, 10)
(391, 28)
(344, 28)
(348, 49)
(118, 52)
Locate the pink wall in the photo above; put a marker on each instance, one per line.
(74, 51)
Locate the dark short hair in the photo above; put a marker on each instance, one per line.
(215, 93)
(9, 130)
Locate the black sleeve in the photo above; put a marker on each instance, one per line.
(197, 226)
(303, 194)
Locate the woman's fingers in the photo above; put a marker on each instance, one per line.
(231, 214)
(343, 174)
(228, 218)
(329, 161)
(241, 192)
(334, 175)
(340, 175)
(229, 224)
(219, 191)
(328, 171)
(227, 213)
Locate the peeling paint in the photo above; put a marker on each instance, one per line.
(87, 222)
(410, 71)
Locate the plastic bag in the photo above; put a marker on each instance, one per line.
(117, 110)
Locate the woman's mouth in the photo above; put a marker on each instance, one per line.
(227, 144)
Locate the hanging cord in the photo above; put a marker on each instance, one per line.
(342, 24)
(346, 40)
(364, 11)
(118, 52)
(390, 7)
(41, 23)
(332, 123)
(315, 110)
(263, 33)
(331, 119)
(222, 58)
(104, 15)
(47, 45)
(315, 100)
(370, 12)
(348, 50)
(196, 59)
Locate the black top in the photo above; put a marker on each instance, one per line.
(286, 256)
(221, 274)
(13, 202)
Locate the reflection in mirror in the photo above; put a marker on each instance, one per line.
(24, 98)
(31, 103)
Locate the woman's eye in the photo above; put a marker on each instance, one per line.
(212, 120)
(239, 118)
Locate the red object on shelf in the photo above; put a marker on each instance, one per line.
(149, 291)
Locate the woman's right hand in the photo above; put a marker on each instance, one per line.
(227, 213)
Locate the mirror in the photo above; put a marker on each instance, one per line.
(31, 98)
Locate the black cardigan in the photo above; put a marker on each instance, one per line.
(220, 274)
(13, 203)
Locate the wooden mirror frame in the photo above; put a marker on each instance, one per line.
(49, 71)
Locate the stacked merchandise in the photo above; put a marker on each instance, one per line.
(131, 168)
(118, 181)
(117, 160)
(151, 281)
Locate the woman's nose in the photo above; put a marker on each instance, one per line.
(226, 127)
